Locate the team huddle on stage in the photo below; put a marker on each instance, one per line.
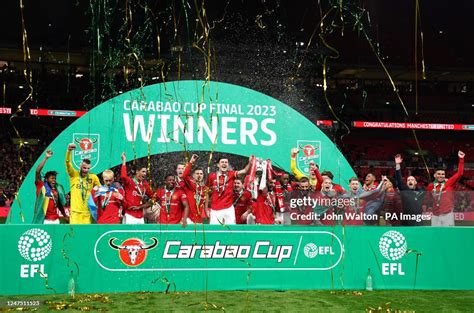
(256, 194)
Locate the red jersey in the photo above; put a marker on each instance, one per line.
(287, 187)
(443, 194)
(108, 206)
(195, 194)
(319, 179)
(135, 193)
(52, 211)
(338, 189)
(180, 183)
(372, 187)
(172, 205)
(294, 186)
(264, 208)
(242, 202)
(222, 188)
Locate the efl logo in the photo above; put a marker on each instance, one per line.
(393, 247)
(133, 251)
(34, 246)
(311, 250)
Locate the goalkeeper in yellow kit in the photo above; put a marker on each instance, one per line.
(315, 179)
(81, 183)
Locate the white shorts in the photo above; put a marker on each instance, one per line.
(443, 219)
(190, 222)
(224, 216)
(131, 220)
(56, 221)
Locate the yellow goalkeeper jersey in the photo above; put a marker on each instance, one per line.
(299, 174)
(80, 186)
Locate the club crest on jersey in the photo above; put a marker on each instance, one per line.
(310, 151)
(88, 147)
(132, 251)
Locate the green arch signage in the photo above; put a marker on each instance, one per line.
(191, 115)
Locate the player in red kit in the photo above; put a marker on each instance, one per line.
(180, 175)
(300, 213)
(336, 187)
(221, 185)
(137, 193)
(325, 195)
(266, 204)
(173, 203)
(242, 201)
(196, 191)
(108, 200)
(373, 204)
(441, 194)
(285, 183)
(50, 196)
(354, 211)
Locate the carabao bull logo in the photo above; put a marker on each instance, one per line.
(86, 143)
(133, 251)
(310, 152)
(88, 147)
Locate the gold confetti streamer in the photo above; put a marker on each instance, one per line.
(259, 22)
(64, 252)
(394, 87)
(418, 23)
(46, 282)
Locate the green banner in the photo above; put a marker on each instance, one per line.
(186, 115)
(38, 259)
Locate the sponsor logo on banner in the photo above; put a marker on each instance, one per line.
(132, 251)
(310, 151)
(393, 247)
(88, 147)
(222, 250)
(34, 245)
(311, 250)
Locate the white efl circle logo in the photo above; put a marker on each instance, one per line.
(393, 245)
(310, 250)
(35, 245)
